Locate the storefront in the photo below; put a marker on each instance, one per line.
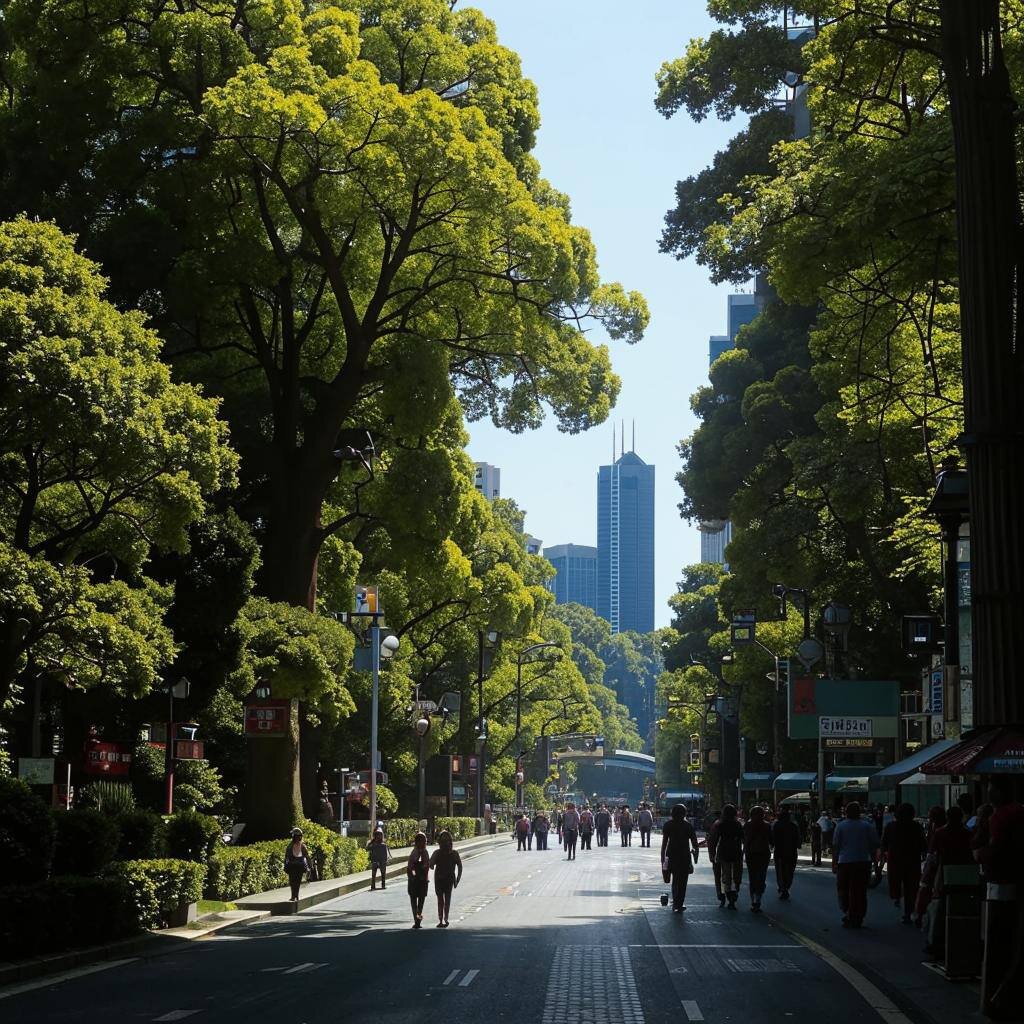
(893, 785)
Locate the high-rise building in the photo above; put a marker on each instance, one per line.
(575, 580)
(487, 480)
(625, 544)
(533, 545)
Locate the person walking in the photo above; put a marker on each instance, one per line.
(854, 847)
(522, 832)
(679, 852)
(297, 863)
(903, 848)
(602, 822)
(417, 868)
(951, 845)
(586, 827)
(712, 844)
(786, 841)
(626, 826)
(447, 866)
(729, 854)
(570, 830)
(803, 824)
(645, 822)
(379, 856)
(827, 828)
(816, 842)
(757, 844)
(540, 830)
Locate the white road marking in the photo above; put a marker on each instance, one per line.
(55, 979)
(468, 979)
(692, 1010)
(451, 977)
(710, 945)
(304, 968)
(177, 1015)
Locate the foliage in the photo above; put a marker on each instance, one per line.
(26, 833)
(197, 786)
(64, 913)
(159, 887)
(142, 835)
(192, 836)
(460, 828)
(400, 832)
(86, 842)
(111, 799)
(387, 802)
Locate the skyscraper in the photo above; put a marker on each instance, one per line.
(575, 580)
(625, 544)
(487, 480)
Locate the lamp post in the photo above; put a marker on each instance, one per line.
(180, 689)
(486, 639)
(520, 661)
(341, 800)
(379, 648)
(422, 727)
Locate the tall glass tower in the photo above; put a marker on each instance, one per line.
(625, 544)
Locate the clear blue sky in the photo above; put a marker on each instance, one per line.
(603, 143)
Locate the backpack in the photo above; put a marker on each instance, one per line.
(522, 826)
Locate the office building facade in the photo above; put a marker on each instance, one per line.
(575, 579)
(625, 544)
(487, 480)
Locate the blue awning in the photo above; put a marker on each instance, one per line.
(756, 780)
(795, 782)
(892, 776)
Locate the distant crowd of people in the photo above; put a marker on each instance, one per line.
(578, 825)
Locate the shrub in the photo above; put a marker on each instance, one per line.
(192, 836)
(156, 888)
(26, 833)
(460, 828)
(333, 855)
(62, 913)
(236, 871)
(87, 842)
(110, 798)
(400, 831)
(142, 835)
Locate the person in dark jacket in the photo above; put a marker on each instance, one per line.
(786, 840)
(712, 842)
(757, 843)
(678, 842)
(729, 853)
(904, 848)
(297, 863)
(602, 822)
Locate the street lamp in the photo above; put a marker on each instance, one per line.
(379, 648)
(341, 800)
(421, 727)
(520, 661)
(486, 640)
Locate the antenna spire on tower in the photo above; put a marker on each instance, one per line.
(634, 437)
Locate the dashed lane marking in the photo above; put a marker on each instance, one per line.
(177, 1015)
(711, 945)
(451, 977)
(468, 979)
(692, 1010)
(761, 966)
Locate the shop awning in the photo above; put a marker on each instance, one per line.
(846, 783)
(756, 780)
(795, 782)
(898, 773)
(990, 752)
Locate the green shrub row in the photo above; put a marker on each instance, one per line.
(400, 832)
(460, 828)
(159, 887)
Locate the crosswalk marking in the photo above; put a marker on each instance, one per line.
(468, 979)
(692, 1010)
(451, 977)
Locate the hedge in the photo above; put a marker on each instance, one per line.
(63, 913)
(159, 887)
(400, 832)
(460, 828)
(142, 835)
(87, 842)
(192, 836)
(26, 833)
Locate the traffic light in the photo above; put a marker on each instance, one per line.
(694, 759)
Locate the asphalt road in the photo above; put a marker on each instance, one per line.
(536, 939)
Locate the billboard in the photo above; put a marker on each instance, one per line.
(876, 702)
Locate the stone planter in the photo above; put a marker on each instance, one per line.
(183, 915)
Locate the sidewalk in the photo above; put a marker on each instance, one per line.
(251, 909)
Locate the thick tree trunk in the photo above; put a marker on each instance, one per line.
(989, 224)
(273, 802)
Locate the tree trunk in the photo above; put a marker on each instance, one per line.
(989, 225)
(273, 802)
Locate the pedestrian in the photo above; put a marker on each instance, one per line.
(447, 865)
(626, 826)
(951, 845)
(617, 818)
(757, 844)
(926, 890)
(602, 822)
(586, 827)
(729, 855)
(679, 852)
(815, 831)
(297, 863)
(558, 826)
(379, 856)
(645, 822)
(570, 830)
(802, 824)
(522, 832)
(904, 847)
(786, 841)
(827, 828)
(712, 844)
(854, 846)
(417, 868)
(540, 822)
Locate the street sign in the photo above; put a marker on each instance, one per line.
(189, 750)
(937, 691)
(810, 651)
(36, 771)
(268, 718)
(106, 758)
(424, 705)
(366, 600)
(848, 743)
(843, 726)
(744, 624)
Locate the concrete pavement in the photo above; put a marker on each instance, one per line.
(533, 938)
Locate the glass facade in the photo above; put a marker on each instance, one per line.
(575, 580)
(625, 544)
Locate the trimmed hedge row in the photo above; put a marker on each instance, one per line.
(400, 831)
(460, 828)
(159, 887)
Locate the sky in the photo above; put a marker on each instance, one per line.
(603, 143)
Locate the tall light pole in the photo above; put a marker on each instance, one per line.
(520, 661)
(484, 638)
(379, 648)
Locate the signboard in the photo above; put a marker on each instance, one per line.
(107, 758)
(844, 726)
(366, 601)
(744, 624)
(268, 718)
(875, 700)
(458, 792)
(848, 743)
(36, 771)
(1005, 755)
(937, 691)
(189, 750)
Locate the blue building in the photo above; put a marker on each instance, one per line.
(575, 579)
(625, 544)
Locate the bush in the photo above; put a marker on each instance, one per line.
(87, 842)
(63, 913)
(142, 835)
(26, 833)
(192, 836)
(460, 828)
(333, 855)
(236, 871)
(156, 888)
(107, 797)
(400, 831)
